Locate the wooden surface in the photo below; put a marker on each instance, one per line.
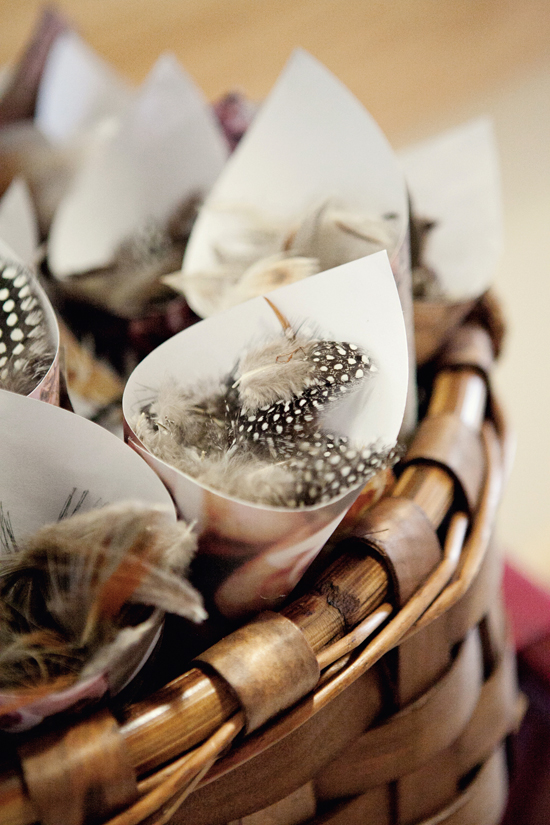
(408, 60)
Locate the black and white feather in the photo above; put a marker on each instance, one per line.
(259, 435)
(26, 347)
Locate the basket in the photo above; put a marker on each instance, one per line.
(384, 693)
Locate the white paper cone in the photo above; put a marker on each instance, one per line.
(167, 148)
(357, 303)
(454, 180)
(49, 455)
(18, 225)
(311, 141)
(78, 91)
(56, 463)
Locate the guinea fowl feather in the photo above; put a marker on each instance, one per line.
(269, 446)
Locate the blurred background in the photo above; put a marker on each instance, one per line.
(419, 66)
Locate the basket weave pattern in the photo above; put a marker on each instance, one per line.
(383, 695)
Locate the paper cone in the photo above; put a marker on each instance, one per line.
(267, 548)
(78, 92)
(18, 224)
(55, 463)
(166, 148)
(454, 182)
(310, 142)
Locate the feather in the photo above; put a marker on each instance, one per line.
(23, 374)
(259, 435)
(128, 643)
(261, 255)
(281, 371)
(211, 289)
(270, 273)
(240, 473)
(260, 239)
(335, 235)
(135, 280)
(276, 371)
(26, 348)
(184, 417)
(327, 465)
(68, 590)
(170, 593)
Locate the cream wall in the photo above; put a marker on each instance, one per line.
(419, 66)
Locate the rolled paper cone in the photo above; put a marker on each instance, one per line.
(311, 141)
(254, 554)
(168, 147)
(454, 182)
(250, 556)
(78, 93)
(18, 221)
(400, 262)
(54, 464)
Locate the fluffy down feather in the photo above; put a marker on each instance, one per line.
(68, 590)
(184, 417)
(276, 371)
(335, 235)
(268, 274)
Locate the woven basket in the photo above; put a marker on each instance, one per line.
(383, 694)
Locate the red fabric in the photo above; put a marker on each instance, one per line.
(528, 607)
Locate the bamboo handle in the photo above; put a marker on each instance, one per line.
(463, 393)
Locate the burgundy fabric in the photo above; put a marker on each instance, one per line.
(528, 607)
